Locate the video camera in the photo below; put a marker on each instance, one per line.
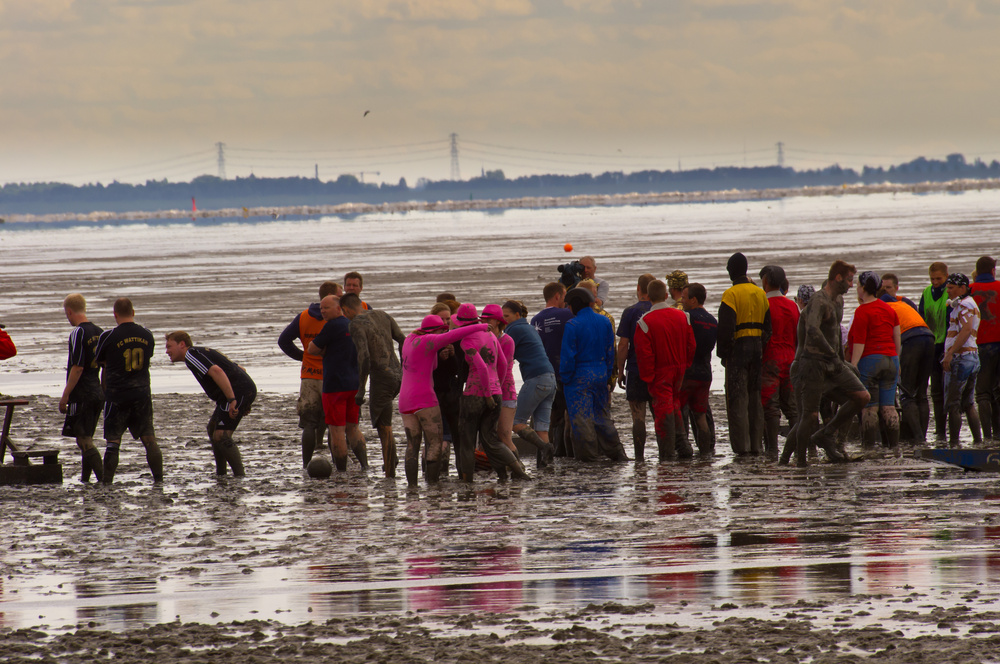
(570, 274)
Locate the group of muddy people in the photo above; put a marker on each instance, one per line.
(453, 383)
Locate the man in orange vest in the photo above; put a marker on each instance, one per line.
(305, 327)
(916, 361)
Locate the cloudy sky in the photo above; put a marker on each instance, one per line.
(96, 90)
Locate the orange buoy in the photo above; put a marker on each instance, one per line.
(567, 247)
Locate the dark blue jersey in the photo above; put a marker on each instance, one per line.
(82, 353)
(340, 362)
(125, 353)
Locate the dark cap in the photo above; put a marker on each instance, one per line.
(805, 292)
(578, 299)
(870, 281)
(737, 266)
(958, 279)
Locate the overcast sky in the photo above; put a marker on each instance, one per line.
(95, 90)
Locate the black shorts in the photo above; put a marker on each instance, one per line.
(635, 387)
(381, 393)
(220, 417)
(136, 416)
(81, 418)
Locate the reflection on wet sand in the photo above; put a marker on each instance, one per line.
(683, 537)
(283, 546)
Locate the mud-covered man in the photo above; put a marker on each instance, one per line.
(228, 385)
(819, 369)
(374, 333)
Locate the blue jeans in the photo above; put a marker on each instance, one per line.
(960, 382)
(535, 400)
(879, 374)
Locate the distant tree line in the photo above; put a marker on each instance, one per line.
(212, 192)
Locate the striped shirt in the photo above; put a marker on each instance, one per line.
(963, 310)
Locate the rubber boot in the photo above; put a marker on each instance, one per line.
(666, 440)
(308, 446)
(639, 440)
(412, 468)
(546, 451)
(154, 459)
(975, 425)
(432, 472)
(870, 430)
(85, 470)
(390, 458)
(518, 472)
(220, 460)
(110, 464)
(771, 426)
(360, 450)
(681, 443)
(954, 427)
(92, 462)
(231, 453)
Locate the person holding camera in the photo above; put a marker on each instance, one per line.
(590, 272)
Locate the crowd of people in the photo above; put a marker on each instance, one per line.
(453, 382)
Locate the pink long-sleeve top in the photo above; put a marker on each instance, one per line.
(420, 358)
(507, 389)
(486, 364)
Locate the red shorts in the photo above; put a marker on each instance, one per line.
(694, 395)
(339, 408)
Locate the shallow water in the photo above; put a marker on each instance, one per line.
(685, 537)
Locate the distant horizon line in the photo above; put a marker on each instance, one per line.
(483, 171)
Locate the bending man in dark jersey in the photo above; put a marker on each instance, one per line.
(225, 383)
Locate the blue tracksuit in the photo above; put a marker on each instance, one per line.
(586, 361)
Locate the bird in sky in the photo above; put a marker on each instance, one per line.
(366, 114)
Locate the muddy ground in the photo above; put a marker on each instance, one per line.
(733, 561)
(704, 560)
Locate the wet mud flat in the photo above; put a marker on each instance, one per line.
(705, 560)
(608, 632)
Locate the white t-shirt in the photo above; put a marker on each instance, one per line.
(963, 309)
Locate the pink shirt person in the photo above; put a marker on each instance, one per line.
(420, 358)
(482, 351)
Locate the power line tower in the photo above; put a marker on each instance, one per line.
(455, 175)
(222, 160)
(781, 154)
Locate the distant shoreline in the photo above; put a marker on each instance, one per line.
(529, 202)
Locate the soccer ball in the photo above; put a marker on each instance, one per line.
(319, 468)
